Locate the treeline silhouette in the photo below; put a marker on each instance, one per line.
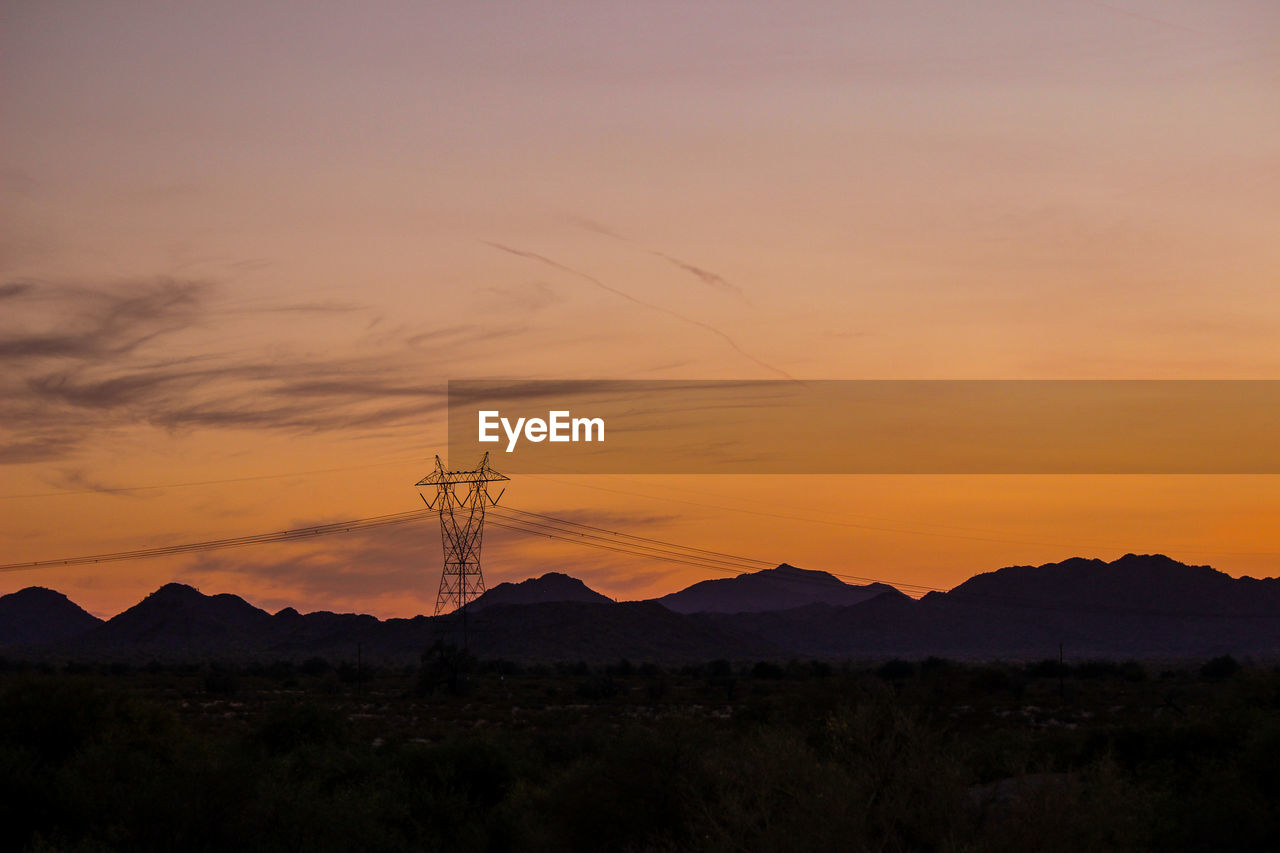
(464, 754)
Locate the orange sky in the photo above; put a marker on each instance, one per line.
(245, 246)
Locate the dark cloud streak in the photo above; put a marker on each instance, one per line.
(79, 362)
(705, 276)
(15, 288)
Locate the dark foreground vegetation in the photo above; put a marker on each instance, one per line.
(465, 755)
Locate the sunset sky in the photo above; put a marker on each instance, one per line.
(244, 246)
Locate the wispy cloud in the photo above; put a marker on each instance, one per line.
(599, 228)
(80, 361)
(705, 276)
(93, 323)
(622, 294)
(80, 481)
(15, 288)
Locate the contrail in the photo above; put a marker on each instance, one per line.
(627, 296)
(706, 276)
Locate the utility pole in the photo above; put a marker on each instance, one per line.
(461, 498)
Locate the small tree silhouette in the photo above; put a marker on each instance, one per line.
(445, 665)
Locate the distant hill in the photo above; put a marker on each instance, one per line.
(1138, 605)
(179, 619)
(1134, 582)
(553, 586)
(771, 589)
(35, 616)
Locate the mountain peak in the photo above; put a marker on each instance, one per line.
(177, 591)
(38, 615)
(551, 586)
(35, 594)
(1154, 561)
(780, 588)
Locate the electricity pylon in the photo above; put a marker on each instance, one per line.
(461, 528)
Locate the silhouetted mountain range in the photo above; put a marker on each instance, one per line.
(1136, 606)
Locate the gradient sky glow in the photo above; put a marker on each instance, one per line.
(243, 246)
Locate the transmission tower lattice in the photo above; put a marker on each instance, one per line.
(461, 499)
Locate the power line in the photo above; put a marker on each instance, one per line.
(628, 535)
(882, 529)
(719, 560)
(665, 547)
(660, 557)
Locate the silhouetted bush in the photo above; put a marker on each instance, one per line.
(651, 670)
(1098, 669)
(220, 681)
(315, 667)
(500, 666)
(896, 670)
(719, 668)
(597, 686)
(767, 669)
(993, 679)
(819, 669)
(1220, 667)
(1131, 670)
(578, 668)
(936, 664)
(445, 666)
(621, 669)
(290, 726)
(350, 673)
(1047, 668)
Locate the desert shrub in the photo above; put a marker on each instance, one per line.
(622, 669)
(315, 667)
(768, 670)
(719, 668)
(1098, 669)
(994, 680)
(597, 686)
(1047, 668)
(445, 667)
(639, 791)
(221, 681)
(289, 726)
(1220, 667)
(934, 664)
(896, 670)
